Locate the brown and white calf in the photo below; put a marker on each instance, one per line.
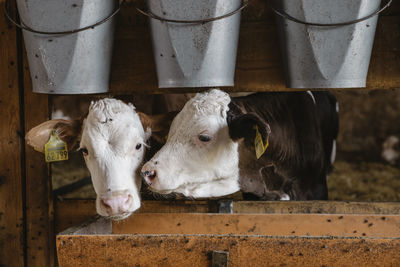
(210, 149)
(112, 138)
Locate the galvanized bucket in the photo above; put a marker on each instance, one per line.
(69, 44)
(195, 42)
(327, 43)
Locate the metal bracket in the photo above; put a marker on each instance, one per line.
(225, 206)
(220, 258)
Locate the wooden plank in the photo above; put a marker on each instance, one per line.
(11, 188)
(187, 250)
(325, 207)
(243, 251)
(259, 64)
(71, 212)
(39, 207)
(327, 225)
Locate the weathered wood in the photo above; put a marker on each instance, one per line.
(11, 188)
(243, 251)
(39, 208)
(259, 63)
(251, 240)
(338, 225)
(325, 207)
(70, 212)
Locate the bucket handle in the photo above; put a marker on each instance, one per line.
(199, 21)
(25, 27)
(287, 16)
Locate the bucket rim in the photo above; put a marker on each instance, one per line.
(284, 15)
(199, 21)
(25, 27)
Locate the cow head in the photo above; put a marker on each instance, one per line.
(113, 141)
(200, 157)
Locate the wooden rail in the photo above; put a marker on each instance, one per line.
(164, 239)
(70, 212)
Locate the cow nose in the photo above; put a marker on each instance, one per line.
(117, 204)
(149, 176)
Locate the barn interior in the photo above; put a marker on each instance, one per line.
(39, 200)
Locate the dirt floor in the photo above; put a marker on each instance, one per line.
(364, 181)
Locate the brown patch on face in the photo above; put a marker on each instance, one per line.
(159, 124)
(69, 131)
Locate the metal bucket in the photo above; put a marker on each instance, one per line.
(195, 54)
(327, 43)
(70, 63)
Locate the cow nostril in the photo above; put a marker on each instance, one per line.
(105, 204)
(151, 175)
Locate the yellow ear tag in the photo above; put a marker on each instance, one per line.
(259, 144)
(55, 149)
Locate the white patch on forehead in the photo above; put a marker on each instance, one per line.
(110, 118)
(210, 102)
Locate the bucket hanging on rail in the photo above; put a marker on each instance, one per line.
(195, 42)
(327, 43)
(69, 44)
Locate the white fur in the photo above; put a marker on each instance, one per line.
(111, 132)
(285, 197)
(58, 114)
(389, 153)
(194, 168)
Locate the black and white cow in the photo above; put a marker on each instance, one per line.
(210, 150)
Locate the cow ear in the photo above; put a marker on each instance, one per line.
(68, 130)
(159, 124)
(244, 126)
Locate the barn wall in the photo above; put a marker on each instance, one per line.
(11, 142)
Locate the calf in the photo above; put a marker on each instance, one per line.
(112, 139)
(210, 150)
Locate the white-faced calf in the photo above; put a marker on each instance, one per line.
(112, 139)
(210, 149)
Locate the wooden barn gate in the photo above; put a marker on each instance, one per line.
(29, 217)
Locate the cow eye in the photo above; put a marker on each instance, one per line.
(204, 138)
(84, 150)
(138, 146)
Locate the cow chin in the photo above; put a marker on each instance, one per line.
(120, 216)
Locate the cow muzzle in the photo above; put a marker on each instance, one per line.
(117, 205)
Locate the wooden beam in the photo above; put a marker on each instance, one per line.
(39, 204)
(180, 250)
(259, 64)
(11, 142)
(72, 212)
(327, 225)
(164, 239)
